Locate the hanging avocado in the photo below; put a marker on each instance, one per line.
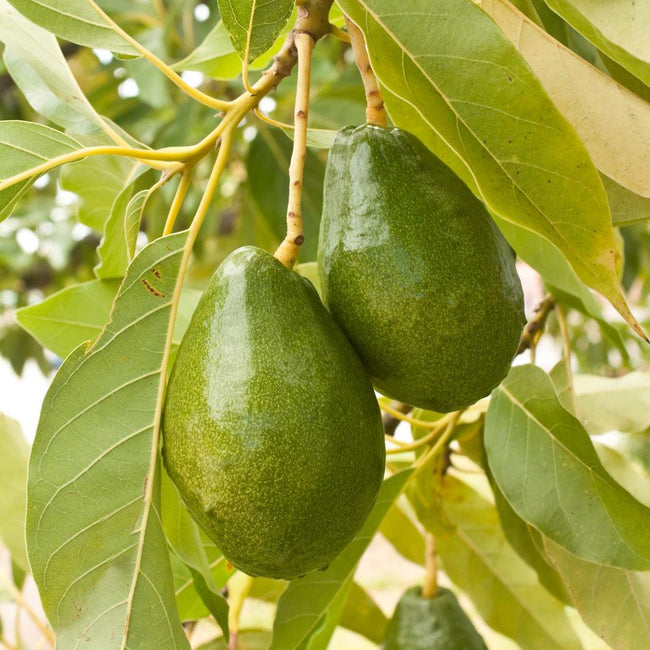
(271, 431)
(437, 623)
(415, 271)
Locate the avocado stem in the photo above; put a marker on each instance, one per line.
(430, 582)
(288, 250)
(375, 110)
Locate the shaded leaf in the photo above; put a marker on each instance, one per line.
(97, 181)
(362, 615)
(23, 146)
(470, 86)
(505, 591)
(612, 122)
(189, 544)
(117, 247)
(71, 316)
(14, 453)
(543, 461)
(303, 605)
(268, 162)
(94, 534)
(246, 640)
(562, 378)
(254, 25)
(76, 21)
(37, 65)
(614, 404)
(619, 29)
(403, 534)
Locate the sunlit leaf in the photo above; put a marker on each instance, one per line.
(76, 21)
(615, 603)
(71, 316)
(35, 62)
(619, 29)
(362, 615)
(470, 87)
(14, 453)
(612, 122)
(614, 404)
(23, 146)
(503, 588)
(543, 461)
(94, 534)
(254, 25)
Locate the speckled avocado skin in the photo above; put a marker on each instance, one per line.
(437, 623)
(271, 430)
(415, 271)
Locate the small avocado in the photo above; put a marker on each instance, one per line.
(271, 431)
(437, 623)
(415, 271)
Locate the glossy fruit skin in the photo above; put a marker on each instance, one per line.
(437, 623)
(271, 432)
(415, 271)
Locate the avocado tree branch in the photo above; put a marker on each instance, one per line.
(288, 250)
(375, 110)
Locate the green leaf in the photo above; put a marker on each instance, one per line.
(37, 65)
(504, 590)
(247, 640)
(558, 276)
(529, 545)
(14, 453)
(619, 29)
(612, 122)
(543, 461)
(268, 162)
(615, 603)
(189, 544)
(254, 24)
(362, 615)
(473, 90)
(305, 602)
(614, 404)
(76, 21)
(562, 378)
(117, 247)
(98, 181)
(403, 534)
(23, 146)
(94, 535)
(71, 316)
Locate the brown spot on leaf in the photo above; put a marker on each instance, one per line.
(156, 272)
(151, 289)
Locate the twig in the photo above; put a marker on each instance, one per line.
(391, 422)
(288, 250)
(535, 326)
(375, 110)
(181, 192)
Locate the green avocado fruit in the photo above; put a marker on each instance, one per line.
(437, 623)
(415, 271)
(271, 431)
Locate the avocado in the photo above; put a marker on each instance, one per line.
(271, 430)
(415, 271)
(437, 623)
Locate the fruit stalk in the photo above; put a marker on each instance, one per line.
(375, 110)
(288, 250)
(430, 582)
